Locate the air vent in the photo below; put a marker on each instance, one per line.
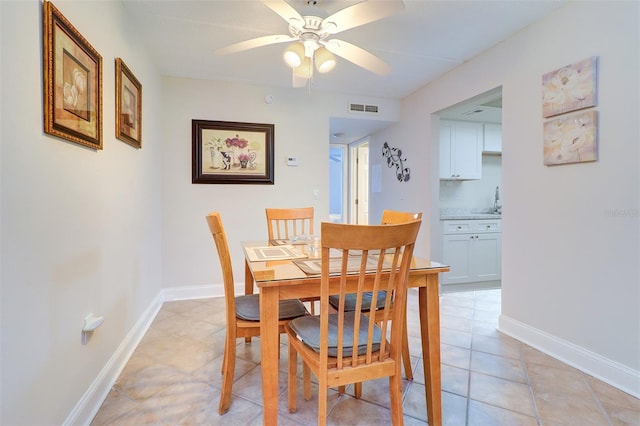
(363, 108)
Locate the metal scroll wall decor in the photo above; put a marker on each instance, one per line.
(394, 158)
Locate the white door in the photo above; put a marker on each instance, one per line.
(359, 180)
(363, 184)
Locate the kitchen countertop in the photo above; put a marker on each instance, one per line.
(467, 214)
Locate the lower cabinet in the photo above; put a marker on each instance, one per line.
(473, 250)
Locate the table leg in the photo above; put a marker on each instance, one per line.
(248, 279)
(429, 303)
(269, 334)
(248, 287)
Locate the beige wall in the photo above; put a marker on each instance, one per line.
(570, 234)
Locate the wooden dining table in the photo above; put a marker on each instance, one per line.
(284, 279)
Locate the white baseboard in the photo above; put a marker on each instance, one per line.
(611, 372)
(86, 409)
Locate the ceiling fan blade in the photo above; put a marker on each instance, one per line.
(255, 42)
(286, 11)
(358, 56)
(360, 14)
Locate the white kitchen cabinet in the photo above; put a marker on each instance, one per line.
(473, 251)
(492, 138)
(460, 150)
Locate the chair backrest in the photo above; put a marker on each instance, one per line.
(394, 217)
(377, 254)
(220, 238)
(287, 223)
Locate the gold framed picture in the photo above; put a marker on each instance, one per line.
(72, 82)
(128, 106)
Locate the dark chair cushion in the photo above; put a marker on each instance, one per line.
(308, 330)
(350, 301)
(248, 308)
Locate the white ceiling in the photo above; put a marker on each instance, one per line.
(421, 43)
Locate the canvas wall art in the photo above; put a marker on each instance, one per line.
(569, 88)
(571, 139)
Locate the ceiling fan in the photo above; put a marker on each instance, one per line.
(311, 34)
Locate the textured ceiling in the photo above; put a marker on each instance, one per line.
(422, 42)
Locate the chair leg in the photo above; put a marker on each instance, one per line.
(406, 358)
(341, 389)
(293, 379)
(306, 377)
(229, 362)
(357, 389)
(322, 403)
(395, 395)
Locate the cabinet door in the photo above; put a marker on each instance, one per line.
(486, 257)
(460, 150)
(445, 150)
(466, 150)
(492, 138)
(456, 252)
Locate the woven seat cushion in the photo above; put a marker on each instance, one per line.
(248, 308)
(308, 330)
(350, 301)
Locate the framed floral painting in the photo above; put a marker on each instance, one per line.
(72, 82)
(569, 88)
(229, 152)
(128, 106)
(571, 138)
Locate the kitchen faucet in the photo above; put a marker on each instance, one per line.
(496, 202)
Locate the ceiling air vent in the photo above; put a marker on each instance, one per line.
(367, 109)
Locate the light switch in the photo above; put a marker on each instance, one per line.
(292, 161)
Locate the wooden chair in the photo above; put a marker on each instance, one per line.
(393, 217)
(389, 217)
(243, 312)
(327, 343)
(287, 223)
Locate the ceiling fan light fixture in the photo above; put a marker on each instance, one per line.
(325, 60)
(305, 70)
(294, 54)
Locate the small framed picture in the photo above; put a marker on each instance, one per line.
(229, 152)
(72, 82)
(128, 106)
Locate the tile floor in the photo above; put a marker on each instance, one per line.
(488, 378)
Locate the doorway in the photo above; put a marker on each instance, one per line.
(359, 182)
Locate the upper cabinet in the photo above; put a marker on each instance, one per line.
(461, 145)
(492, 138)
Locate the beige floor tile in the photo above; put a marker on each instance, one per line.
(455, 356)
(455, 380)
(500, 347)
(501, 393)
(454, 409)
(610, 395)
(550, 380)
(493, 365)
(481, 414)
(173, 376)
(557, 408)
(456, 323)
(115, 405)
(455, 338)
(351, 411)
(622, 416)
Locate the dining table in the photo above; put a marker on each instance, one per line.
(276, 272)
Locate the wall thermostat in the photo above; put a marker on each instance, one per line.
(292, 161)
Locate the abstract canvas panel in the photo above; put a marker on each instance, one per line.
(571, 139)
(569, 88)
